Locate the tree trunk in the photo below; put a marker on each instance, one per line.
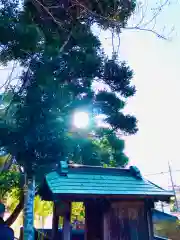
(29, 194)
(14, 215)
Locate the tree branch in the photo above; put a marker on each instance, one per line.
(47, 11)
(66, 42)
(12, 218)
(147, 30)
(115, 24)
(156, 13)
(9, 78)
(149, 25)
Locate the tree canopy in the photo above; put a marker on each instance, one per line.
(56, 80)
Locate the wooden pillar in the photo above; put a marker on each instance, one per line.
(55, 222)
(106, 226)
(93, 221)
(66, 233)
(150, 225)
(149, 207)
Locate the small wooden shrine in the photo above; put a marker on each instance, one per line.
(118, 202)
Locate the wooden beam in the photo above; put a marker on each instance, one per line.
(55, 222)
(87, 197)
(66, 233)
(149, 206)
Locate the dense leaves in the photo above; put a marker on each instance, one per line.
(9, 180)
(61, 61)
(118, 77)
(106, 13)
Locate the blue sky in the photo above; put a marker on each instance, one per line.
(156, 65)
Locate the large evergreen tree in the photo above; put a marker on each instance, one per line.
(61, 58)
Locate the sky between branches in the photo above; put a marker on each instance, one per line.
(156, 65)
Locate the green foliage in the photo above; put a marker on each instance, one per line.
(170, 230)
(103, 148)
(42, 208)
(60, 63)
(13, 197)
(78, 211)
(3, 159)
(9, 180)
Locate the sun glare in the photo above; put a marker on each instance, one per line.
(81, 119)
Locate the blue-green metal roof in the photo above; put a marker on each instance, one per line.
(84, 180)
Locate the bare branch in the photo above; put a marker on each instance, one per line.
(149, 25)
(37, 3)
(147, 30)
(9, 78)
(54, 20)
(119, 43)
(156, 14)
(144, 11)
(66, 42)
(140, 26)
(113, 40)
